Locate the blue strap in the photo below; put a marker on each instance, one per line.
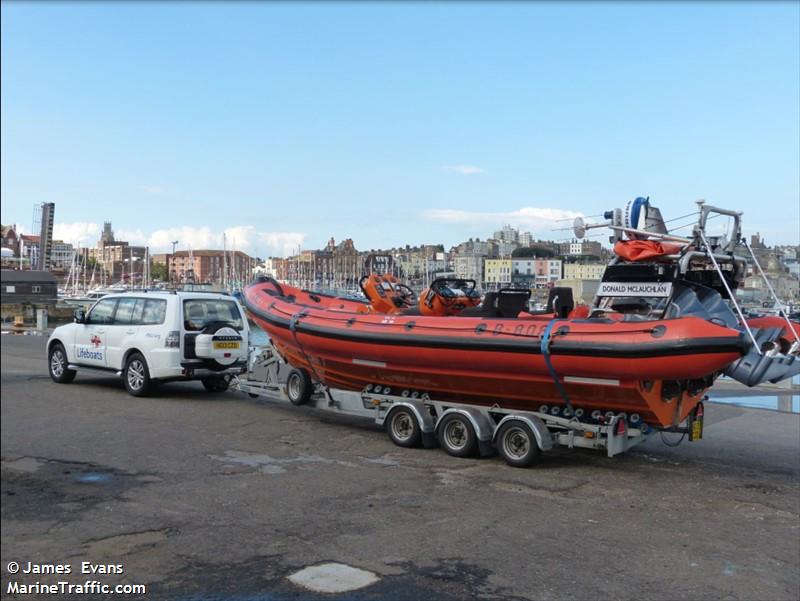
(545, 348)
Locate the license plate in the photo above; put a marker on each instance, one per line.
(697, 430)
(226, 345)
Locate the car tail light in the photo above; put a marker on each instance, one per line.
(620, 428)
(173, 339)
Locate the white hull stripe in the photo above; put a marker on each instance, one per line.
(369, 363)
(598, 381)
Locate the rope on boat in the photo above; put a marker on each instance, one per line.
(545, 348)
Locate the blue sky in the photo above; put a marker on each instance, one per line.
(287, 123)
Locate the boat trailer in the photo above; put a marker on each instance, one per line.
(462, 429)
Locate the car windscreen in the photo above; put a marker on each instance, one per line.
(200, 312)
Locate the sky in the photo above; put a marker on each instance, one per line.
(285, 124)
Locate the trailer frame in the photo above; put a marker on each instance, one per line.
(266, 377)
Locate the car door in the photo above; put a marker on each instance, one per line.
(122, 334)
(90, 337)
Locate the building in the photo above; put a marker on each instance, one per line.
(525, 239)
(28, 287)
(584, 271)
(29, 249)
(581, 247)
(47, 216)
(61, 255)
(119, 259)
(508, 234)
(472, 247)
(218, 267)
(469, 267)
(9, 238)
(533, 272)
(497, 273)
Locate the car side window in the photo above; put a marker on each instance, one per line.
(126, 307)
(102, 312)
(154, 312)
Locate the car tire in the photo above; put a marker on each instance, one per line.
(57, 365)
(136, 376)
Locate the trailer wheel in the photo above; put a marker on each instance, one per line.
(517, 444)
(457, 436)
(299, 387)
(403, 428)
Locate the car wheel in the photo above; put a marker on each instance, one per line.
(136, 376)
(57, 365)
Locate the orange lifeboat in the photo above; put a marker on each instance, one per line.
(658, 369)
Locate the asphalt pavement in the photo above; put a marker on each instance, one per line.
(206, 496)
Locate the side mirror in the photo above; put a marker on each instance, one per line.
(80, 315)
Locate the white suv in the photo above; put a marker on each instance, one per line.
(150, 337)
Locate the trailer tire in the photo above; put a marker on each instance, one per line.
(517, 444)
(457, 436)
(299, 387)
(403, 428)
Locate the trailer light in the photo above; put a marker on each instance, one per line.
(554, 410)
(597, 414)
(544, 409)
(621, 428)
(700, 411)
(635, 418)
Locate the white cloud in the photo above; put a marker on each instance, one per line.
(282, 243)
(241, 237)
(535, 218)
(77, 233)
(155, 190)
(464, 169)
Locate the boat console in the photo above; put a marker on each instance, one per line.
(448, 296)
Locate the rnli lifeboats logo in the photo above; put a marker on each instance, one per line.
(93, 352)
(639, 289)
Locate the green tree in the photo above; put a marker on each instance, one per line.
(158, 271)
(525, 252)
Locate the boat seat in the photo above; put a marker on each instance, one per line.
(487, 308)
(560, 301)
(511, 303)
